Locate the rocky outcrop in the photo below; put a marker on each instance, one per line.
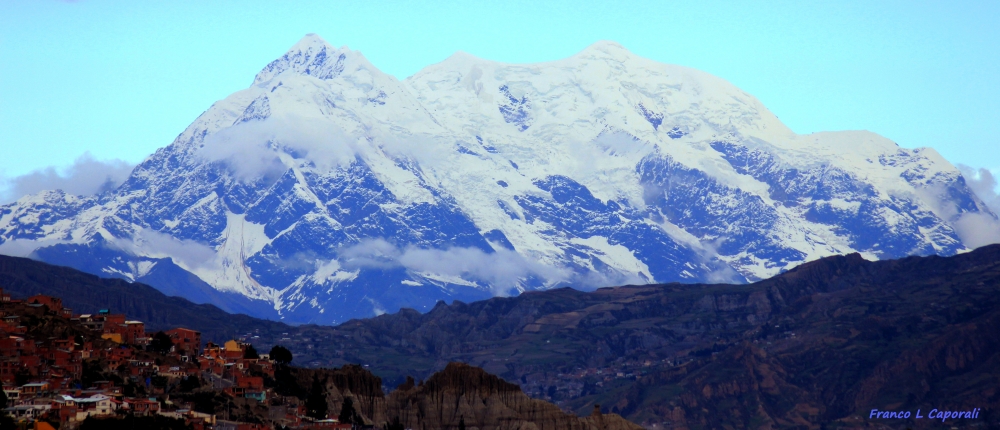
(460, 395)
(465, 394)
(350, 381)
(825, 342)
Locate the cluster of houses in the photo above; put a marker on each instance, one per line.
(41, 377)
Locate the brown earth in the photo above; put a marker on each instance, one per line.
(817, 347)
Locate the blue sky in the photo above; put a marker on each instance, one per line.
(119, 79)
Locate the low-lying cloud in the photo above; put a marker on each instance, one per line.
(257, 149)
(145, 242)
(267, 148)
(502, 270)
(975, 229)
(979, 229)
(185, 252)
(24, 247)
(984, 183)
(86, 176)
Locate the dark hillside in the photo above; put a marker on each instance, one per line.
(86, 293)
(821, 344)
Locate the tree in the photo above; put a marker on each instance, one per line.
(347, 413)
(281, 355)
(316, 406)
(190, 384)
(3, 400)
(161, 342)
(250, 352)
(159, 381)
(395, 425)
(7, 423)
(461, 423)
(22, 377)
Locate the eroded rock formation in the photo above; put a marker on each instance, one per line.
(466, 394)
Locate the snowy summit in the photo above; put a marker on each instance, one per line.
(329, 190)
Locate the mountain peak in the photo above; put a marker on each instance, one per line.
(473, 178)
(464, 56)
(608, 48)
(312, 56)
(310, 42)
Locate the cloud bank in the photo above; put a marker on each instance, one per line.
(185, 252)
(984, 183)
(979, 229)
(502, 270)
(257, 149)
(86, 176)
(24, 247)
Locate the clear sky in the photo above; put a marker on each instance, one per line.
(119, 79)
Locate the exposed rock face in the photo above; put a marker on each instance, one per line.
(462, 393)
(458, 394)
(351, 381)
(327, 189)
(823, 343)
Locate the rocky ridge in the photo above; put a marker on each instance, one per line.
(819, 345)
(822, 344)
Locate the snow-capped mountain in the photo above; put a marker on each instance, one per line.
(329, 190)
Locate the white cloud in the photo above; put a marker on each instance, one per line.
(501, 270)
(593, 280)
(187, 253)
(983, 182)
(979, 229)
(975, 229)
(721, 273)
(24, 247)
(86, 176)
(371, 253)
(266, 148)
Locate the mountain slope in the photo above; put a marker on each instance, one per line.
(85, 293)
(822, 343)
(825, 342)
(328, 190)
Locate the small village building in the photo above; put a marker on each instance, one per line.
(27, 412)
(94, 406)
(53, 303)
(186, 341)
(34, 389)
(141, 407)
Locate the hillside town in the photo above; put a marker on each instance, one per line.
(61, 369)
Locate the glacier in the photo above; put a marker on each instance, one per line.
(329, 190)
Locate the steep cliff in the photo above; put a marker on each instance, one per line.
(823, 343)
(458, 394)
(465, 394)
